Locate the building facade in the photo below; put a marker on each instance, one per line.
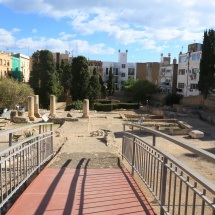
(25, 66)
(95, 64)
(122, 70)
(167, 79)
(148, 71)
(5, 64)
(16, 68)
(189, 70)
(58, 57)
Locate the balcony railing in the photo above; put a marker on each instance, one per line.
(177, 188)
(20, 159)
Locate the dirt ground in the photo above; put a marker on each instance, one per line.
(77, 142)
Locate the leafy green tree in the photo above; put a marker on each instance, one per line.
(80, 78)
(207, 64)
(141, 90)
(94, 88)
(15, 93)
(110, 83)
(48, 82)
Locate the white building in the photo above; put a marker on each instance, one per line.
(167, 79)
(188, 71)
(121, 70)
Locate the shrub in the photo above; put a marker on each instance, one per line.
(103, 107)
(114, 106)
(76, 105)
(171, 99)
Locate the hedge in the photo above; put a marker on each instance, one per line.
(114, 106)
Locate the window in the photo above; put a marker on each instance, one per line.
(130, 71)
(122, 74)
(123, 66)
(0, 61)
(181, 72)
(194, 86)
(195, 56)
(182, 59)
(181, 85)
(106, 71)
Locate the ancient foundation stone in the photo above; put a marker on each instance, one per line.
(196, 134)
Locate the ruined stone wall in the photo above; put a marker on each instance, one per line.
(209, 102)
(193, 101)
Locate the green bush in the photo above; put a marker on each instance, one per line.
(127, 106)
(114, 106)
(103, 107)
(171, 99)
(76, 105)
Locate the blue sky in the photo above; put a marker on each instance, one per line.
(99, 28)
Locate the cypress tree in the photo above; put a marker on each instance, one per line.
(110, 83)
(94, 88)
(80, 78)
(207, 64)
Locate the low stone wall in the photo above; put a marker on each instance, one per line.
(209, 102)
(193, 101)
(173, 131)
(207, 117)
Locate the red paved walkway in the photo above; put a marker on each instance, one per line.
(82, 191)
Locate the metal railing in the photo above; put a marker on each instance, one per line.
(22, 157)
(177, 188)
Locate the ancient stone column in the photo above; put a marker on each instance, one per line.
(86, 108)
(36, 106)
(31, 108)
(52, 105)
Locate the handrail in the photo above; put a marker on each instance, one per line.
(207, 155)
(23, 158)
(169, 180)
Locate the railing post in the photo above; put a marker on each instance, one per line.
(10, 139)
(51, 127)
(133, 156)
(163, 185)
(154, 140)
(123, 141)
(38, 155)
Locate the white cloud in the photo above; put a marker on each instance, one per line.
(148, 23)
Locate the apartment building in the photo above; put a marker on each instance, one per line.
(16, 68)
(189, 70)
(167, 79)
(122, 70)
(148, 71)
(95, 64)
(58, 57)
(5, 64)
(24, 67)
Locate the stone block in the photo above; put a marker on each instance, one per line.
(196, 134)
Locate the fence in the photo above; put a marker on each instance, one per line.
(22, 157)
(177, 188)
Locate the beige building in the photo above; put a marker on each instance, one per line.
(95, 64)
(58, 57)
(5, 64)
(25, 66)
(148, 71)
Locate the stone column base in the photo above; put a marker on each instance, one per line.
(37, 115)
(31, 118)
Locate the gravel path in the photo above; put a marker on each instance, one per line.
(85, 147)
